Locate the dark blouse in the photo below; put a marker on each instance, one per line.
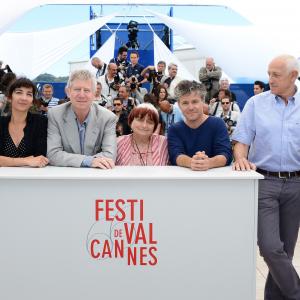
(34, 141)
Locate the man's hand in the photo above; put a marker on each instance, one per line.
(242, 164)
(200, 161)
(44, 108)
(212, 101)
(103, 163)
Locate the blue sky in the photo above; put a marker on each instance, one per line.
(52, 16)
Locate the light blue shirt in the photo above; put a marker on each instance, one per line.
(171, 118)
(87, 162)
(272, 130)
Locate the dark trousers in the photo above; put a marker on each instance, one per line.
(278, 226)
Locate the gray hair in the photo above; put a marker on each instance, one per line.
(172, 65)
(186, 87)
(84, 75)
(224, 79)
(47, 85)
(291, 62)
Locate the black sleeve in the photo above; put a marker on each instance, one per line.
(40, 138)
(3, 128)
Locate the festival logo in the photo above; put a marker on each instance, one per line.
(120, 232)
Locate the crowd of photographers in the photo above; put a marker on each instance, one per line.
(126, 80)
(123, 84)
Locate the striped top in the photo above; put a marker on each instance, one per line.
(129, 155)
(53, 102)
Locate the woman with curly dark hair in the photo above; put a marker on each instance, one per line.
(23, 136)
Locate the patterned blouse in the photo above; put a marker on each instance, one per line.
(34, 141)
(11, 150)
(128, 154)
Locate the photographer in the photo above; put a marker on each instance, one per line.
(101, 99)
(215, 107)
(110, 82)
(136, 91)
(172, 80)
(128, 102)
(155, 77)
(47, 101)
(121, 61)
(134, 67)
(230, 117)
(210, 76)
(4, 70)
(100, 65)
(5, 82)
(122, 127)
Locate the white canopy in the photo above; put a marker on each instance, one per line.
(161, 52)
(243, 51)
(44, 48)
(105, 53)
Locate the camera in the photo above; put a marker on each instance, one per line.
(133, 30)
(133, 84)
(44, 103)
(122, 67)
(229, 123)
(152, 75)
(103, 103)
(117, 79)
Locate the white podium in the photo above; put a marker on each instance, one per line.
(128, 233)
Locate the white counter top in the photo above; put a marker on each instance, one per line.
(124, 173)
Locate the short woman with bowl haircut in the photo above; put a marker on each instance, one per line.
(143, 147)
(23, 136)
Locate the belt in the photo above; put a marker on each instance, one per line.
(282, 175)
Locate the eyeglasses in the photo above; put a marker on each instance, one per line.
(225, 103)
(117, 104)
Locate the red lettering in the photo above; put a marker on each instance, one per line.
(151, 240)
(118, 233)
(108, 209)
(106, 249)
(152, 251)
(142, 256)
(141, 210)
(140, 234)
(129, 233)
(98, 208)
(131, 256)
(114, 209)
(119, 248)
(120, 210)
(131, 202)
(94, 255)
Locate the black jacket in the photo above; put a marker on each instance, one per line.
(35, 134)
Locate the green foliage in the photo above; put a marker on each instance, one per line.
(45, 77)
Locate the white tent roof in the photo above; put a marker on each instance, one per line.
(44, 48)
(161, 52)
(105, 53)
(243, 52)
(259, 12)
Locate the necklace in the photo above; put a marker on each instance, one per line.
(142, 161)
